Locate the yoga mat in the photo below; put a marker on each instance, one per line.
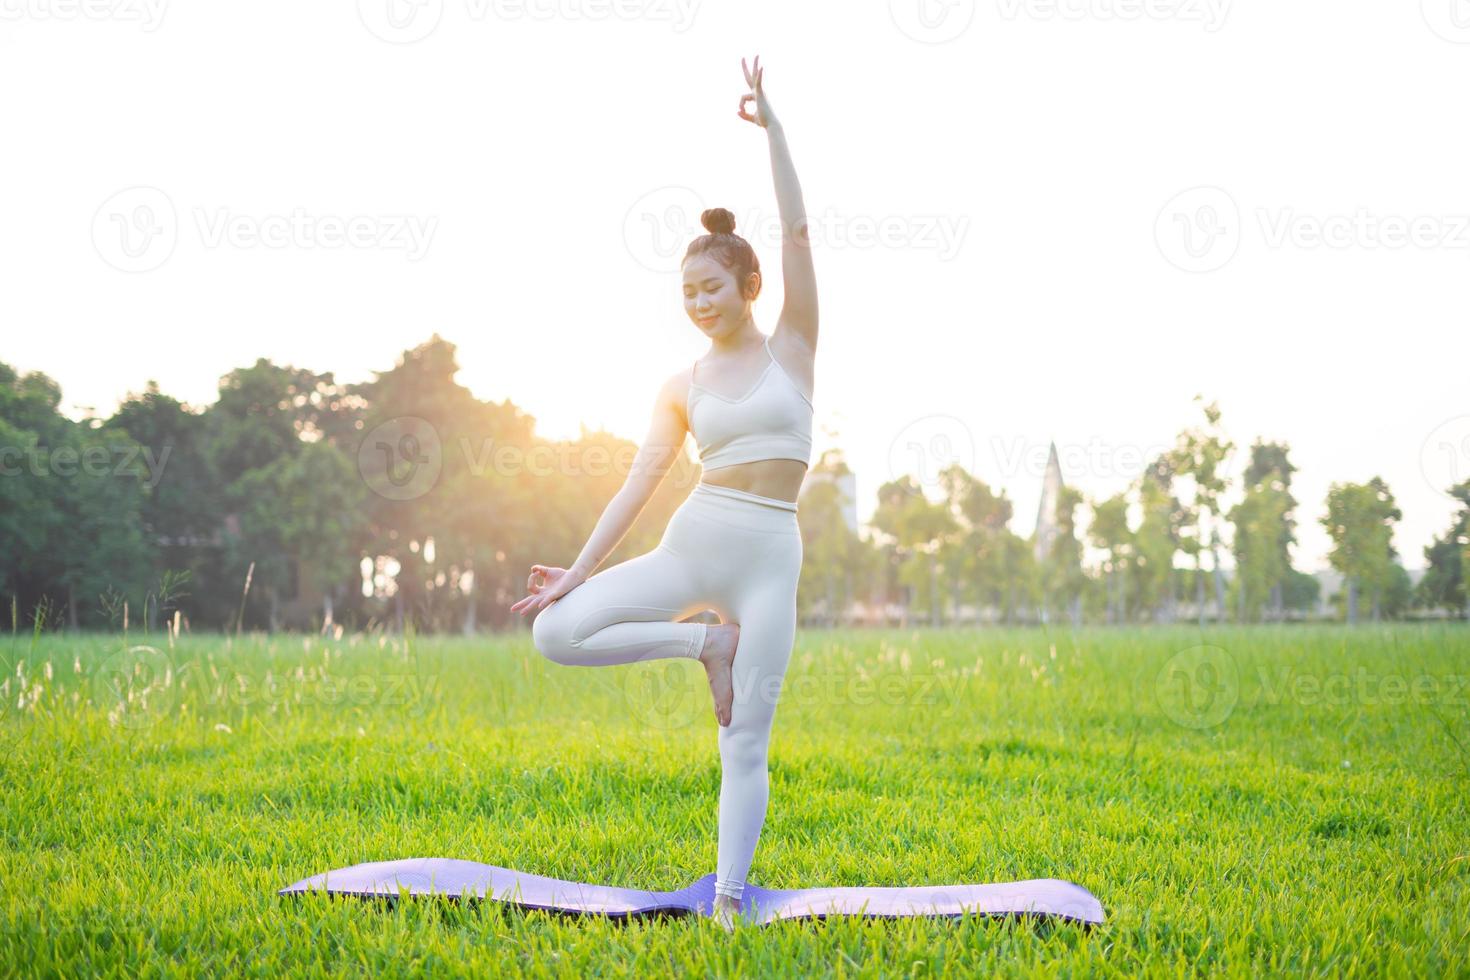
(1043, 897)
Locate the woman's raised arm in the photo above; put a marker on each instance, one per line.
(799, 277)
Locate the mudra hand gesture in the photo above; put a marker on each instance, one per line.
(763, 114)
(554, 583)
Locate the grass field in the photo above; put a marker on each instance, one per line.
(1241, 800)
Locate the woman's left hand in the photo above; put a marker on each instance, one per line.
(763, 115)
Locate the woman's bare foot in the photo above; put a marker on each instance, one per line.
(717, 656)
(727, 911)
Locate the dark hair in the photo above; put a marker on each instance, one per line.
(732, 251)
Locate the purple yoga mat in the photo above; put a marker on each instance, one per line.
(1047, 897)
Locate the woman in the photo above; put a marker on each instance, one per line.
(734, 545)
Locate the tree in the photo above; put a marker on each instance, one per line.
(1109, 532)
(1158, 539)
(1200, 452)
(1264, 532)
(1359, 520)
(830, 548)
(1060, 569)
(1447, 557)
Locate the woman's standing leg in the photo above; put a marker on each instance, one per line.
(767, 618)
(625, 613)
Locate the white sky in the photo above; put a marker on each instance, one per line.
(1025, 157)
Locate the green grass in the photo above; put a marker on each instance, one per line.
(1242, 800)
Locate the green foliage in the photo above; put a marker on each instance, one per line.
(1359, 520)
(1448, 556)
(289, 480)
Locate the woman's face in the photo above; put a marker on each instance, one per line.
(711, 297)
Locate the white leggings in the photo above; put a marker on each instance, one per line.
(739, 554)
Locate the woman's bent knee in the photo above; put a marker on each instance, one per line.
(552, 635)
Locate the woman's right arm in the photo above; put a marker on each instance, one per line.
(661, 447)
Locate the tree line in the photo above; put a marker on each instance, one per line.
(297, 501)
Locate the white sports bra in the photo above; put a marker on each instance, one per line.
(771, 421)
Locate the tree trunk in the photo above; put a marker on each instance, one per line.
(1352, 601)
(936, 612)
(1219, 575)
(468, 626)
(831, 597)
(1199, 587)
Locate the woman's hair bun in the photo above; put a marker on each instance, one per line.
(718, 221)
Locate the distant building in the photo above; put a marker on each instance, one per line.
(846, 487)
(1046, 513)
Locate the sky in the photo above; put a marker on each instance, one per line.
(1034, 221)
